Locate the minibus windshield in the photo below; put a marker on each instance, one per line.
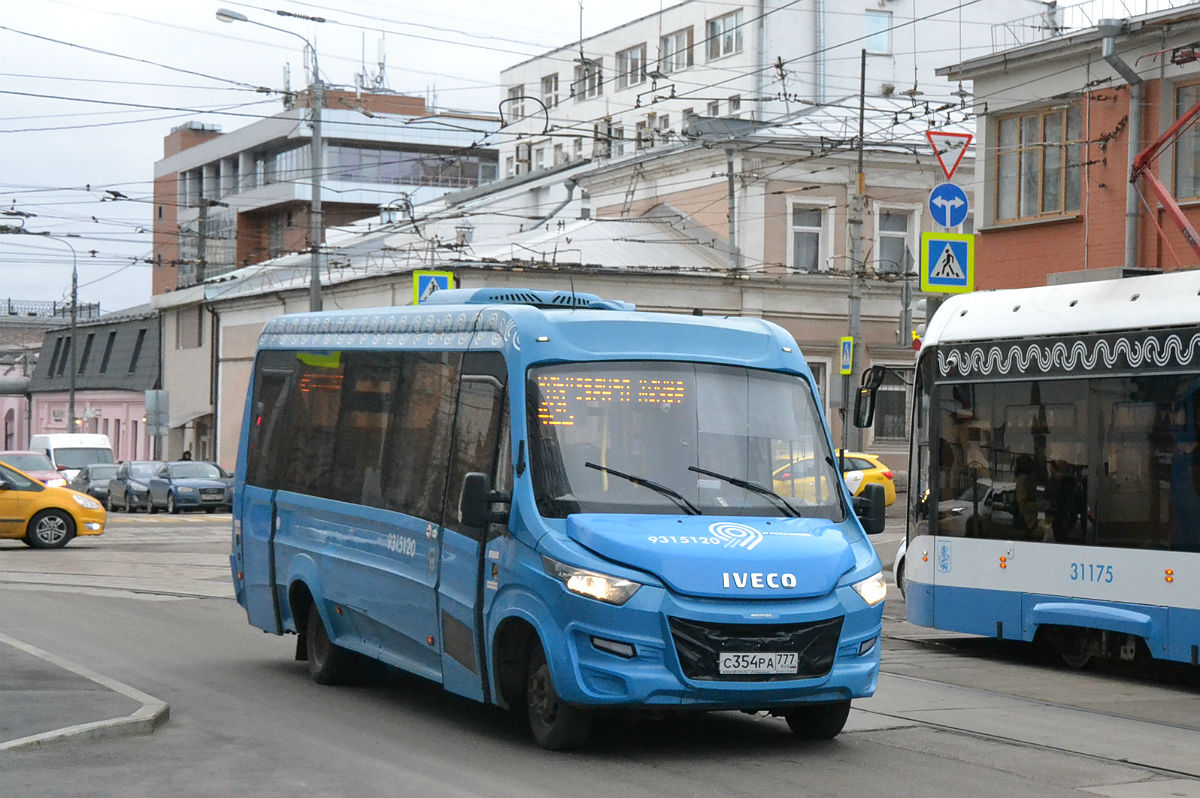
(658, 422)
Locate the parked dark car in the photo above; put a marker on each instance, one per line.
(128, 490)
(190, 485)
(36, 465)
(93, 480)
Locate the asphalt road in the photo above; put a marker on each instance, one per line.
(149, 604)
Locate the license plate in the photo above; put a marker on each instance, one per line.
(771, 662)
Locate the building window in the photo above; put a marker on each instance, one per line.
(589, 80)
(631, 67)
(1039, 158)
(878, 38)
(807, 237)
(58, 345)
(550, 91)
(891, 421)
(539, 158)
(514, 109)
(137, 350)
(108, 347)
(68, 342)
(87, 352)
(578, 145)
(618, 141)
(560, 154)
(510, 166)
(189, 328)
(735, 104)
(892, 244)
(725, 35)
(675, 51)
(714, 108)
(1187, 148)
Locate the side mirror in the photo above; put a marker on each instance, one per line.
(475, 506)
(864, 399)
(60, 468)
(870, 507)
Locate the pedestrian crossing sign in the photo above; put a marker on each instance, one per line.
(425, 283)
(947, 263)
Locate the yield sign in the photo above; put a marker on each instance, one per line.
(949, 148)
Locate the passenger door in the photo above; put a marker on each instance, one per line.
(254, 537)
(480, 438)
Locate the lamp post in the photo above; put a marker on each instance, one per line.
(73, 317)
(318, 100)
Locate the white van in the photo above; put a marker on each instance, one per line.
(72, 451)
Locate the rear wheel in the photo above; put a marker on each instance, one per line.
(555, 725)
(328, 663)
(1074, 646)
(50, 529)
(818, 721)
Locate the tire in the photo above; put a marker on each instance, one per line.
(110, 504)
(151, 507)
(210, 510)
(1073, 647)
(818, 721)
(50, 529)
(328, 663)
(556, 726)
(900, 581)
(172, 507)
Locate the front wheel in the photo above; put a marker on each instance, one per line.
(172, 507)
(556, 726)
(818, 721)
(328, 663)
(50, 529)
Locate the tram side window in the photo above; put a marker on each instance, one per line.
(422, 419)
(479, 432)
(368, 396)
(315, 400)
(267, 408)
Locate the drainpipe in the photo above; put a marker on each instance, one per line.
(820, 51)
(570, 184)
(761, 66)
(1109, 29)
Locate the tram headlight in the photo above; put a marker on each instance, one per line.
(609, 589)
(872, 589)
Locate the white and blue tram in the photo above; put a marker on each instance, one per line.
(1055, 473)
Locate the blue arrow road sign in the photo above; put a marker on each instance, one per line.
(948, 204)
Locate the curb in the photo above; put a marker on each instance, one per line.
(152, 713)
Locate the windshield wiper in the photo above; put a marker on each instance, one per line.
(753, 487)
(683, 503)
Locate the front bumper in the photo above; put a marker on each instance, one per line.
(668, 647)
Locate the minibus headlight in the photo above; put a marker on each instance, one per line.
(872, 589)
(85, 502)
(609, 589)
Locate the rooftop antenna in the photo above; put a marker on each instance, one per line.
(915, 92)
(657, 72)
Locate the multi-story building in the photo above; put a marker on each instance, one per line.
(635, 86)
(116, 362)
(225, 200)
(23, 324)
(1064, 119)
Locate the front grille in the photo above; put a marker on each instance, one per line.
(699, 644)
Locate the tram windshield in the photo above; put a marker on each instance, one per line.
(600, 431)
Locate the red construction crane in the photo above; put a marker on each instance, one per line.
(1141, 168)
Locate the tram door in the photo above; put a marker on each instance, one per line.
(480, 438)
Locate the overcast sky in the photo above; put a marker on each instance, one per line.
(89, 88)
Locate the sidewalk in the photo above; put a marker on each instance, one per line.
(46, 699)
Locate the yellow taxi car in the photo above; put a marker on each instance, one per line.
(862, 469)
(804, 479)
(45, 517)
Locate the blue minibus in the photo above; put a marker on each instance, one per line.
(557, 504)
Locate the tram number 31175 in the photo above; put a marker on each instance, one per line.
(1091, 572)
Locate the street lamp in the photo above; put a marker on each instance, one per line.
(74, 312)
(318, 99)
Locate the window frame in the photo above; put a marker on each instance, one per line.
(1193, 174)
(911, 233)
(589, 80)
(1071, 169)
(631, 66)
(669, 51)
(877, 42)
(719, 30)
(826, 206)
(549, 86)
